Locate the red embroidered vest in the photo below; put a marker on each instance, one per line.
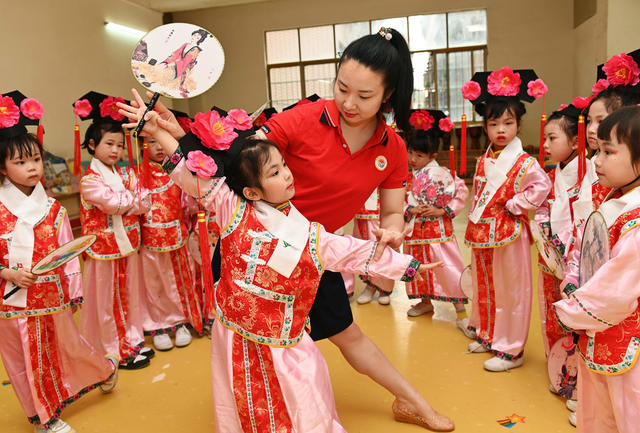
(254, 300)
(96, 222)
(164, 227)
(49, 294)
(429, 230)
(615, 350)
(496, 227)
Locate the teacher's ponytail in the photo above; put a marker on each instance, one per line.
(387, 52)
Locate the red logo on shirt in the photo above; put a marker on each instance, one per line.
(381, 162)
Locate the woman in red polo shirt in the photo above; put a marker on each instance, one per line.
(339, 151)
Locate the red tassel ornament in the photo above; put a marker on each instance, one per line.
(463, 145)
(127, 135)
(452, 160)
(40, 134)
(541, 153)
(146, 168)
(77, 152)
(582, 150)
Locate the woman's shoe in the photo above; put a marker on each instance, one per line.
(436, 422)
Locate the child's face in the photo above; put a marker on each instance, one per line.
(502, 130)
(418, 159)
(155, 150)
(24, 172)
(358, 92)
(597, 113)
(109, 150)
(613, 164)
(276, 181)
(557, 143)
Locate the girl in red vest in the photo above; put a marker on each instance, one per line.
(605, 310)
(170, 300)
(507, 184)
(48, 362)
(268, 375)
(432, 238)
(110, 201)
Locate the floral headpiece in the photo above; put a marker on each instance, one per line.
(431, 121)
(522, 84)
(213, 138)
(99, 107)
(16, 112)
(385, 33)
(619, 70)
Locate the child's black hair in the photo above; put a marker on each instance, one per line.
(423, 141)
(203, 35)
(22, 146)
(96, 131)
(569, 125)
(244, 168)
(626, 122)
(617, 97)
(392, 59)
(498, 105)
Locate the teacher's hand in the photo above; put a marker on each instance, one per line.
(390, 238)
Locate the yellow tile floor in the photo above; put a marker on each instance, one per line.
(174, 394)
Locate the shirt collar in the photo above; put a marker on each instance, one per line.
(331, 116)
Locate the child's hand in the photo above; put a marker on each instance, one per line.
(417, 210)
(391, 238)
(22, 278)
(166, 120)
(426, 266)
(431, 211)
(135, 112)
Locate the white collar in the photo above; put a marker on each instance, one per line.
(613, 208)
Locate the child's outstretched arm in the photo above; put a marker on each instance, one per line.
(348, 254)
(534, 189)
(611, 295)
(96, 192)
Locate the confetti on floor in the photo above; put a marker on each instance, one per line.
(6, 382)
(159, 377)
(510, 421)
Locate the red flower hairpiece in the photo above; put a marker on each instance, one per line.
(9, 112)
(239, 119)
(504, 82)
(214, 131)
(421, 119)
(600, 85)
(201, 164)
(581, 103)
(185, 123)
(622, 70)
(445, 124)
(108, 108)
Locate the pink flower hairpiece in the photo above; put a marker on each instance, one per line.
(504, 82)
(9, 112)
(537, 88)
(31, 109)
(563, 106)
(581, 103)
(201, 164)
(108, 108)
(622, 70)
(385, 33)
(471, 90)
(421, 119)
(82, 107)
(445, 124)
(214, 131)
(239, 119)
(600, 85)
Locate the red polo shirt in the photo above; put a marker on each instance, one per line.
(332, 183)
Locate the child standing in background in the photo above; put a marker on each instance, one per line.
(507, 184)
(432, 237)
(170, 301)
(111, 200)
(49, 363)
